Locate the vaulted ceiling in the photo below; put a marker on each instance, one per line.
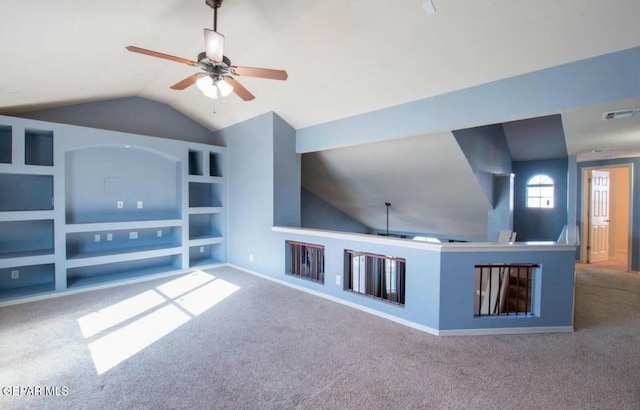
(343, 57)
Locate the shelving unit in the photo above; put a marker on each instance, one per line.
(27, 234)
(26, 192)
(26, 238)
(81, 208)
(26, 280)
(206, 209)
(38, 147)
(101, 273)
(6, 144)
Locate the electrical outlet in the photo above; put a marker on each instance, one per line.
(109, 236)
(133, 235)
(202, 249)
(338, 280)
(159, 233)
(250, 258)
(15, 274)
(120, 204)
(139, 204)
(96, 237)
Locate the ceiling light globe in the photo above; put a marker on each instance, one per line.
(224, 87)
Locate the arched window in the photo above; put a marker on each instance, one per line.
(540, 192)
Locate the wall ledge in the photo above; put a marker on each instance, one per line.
(427, 246)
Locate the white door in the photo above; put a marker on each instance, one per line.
(598, 247)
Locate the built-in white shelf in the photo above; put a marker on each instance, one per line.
(114, 226)
(119, 272)
(27, 291)
(126, 255)
(206, 210)
(82, 207)
(17, 259)
(26, 215)
(27, 279)
(206, 179)
(209, 240)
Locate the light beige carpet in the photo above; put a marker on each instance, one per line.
(165, 345)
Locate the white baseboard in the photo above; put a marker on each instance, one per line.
(106, 285)
(413, 325)
(506, 331)
(404, 322)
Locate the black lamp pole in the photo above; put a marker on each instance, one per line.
(388, 204)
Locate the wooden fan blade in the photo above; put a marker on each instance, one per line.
(162, 55)
(187, 82)
(260, 72)
(239, 89)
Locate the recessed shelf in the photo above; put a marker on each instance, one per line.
(215, 164)
(202, 194)
(38, 147)
(205, 226)
(202, 255)
(26, 280)
(195, 163)
(112, 226)
(25, 192)
(121, 271)
(6, 144)
(114, 242)
(26, 238)
(119, 184)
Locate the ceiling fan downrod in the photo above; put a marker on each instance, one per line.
(215, 5)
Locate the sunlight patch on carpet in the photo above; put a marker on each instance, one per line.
(96, 322)
(150, 316)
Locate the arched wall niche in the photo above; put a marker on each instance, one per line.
(119, 183)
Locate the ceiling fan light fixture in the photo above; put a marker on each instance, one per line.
(214, 44)
(205, 84)
(224, 87)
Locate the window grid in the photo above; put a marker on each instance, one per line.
(540, 192)
(381, 277)
(306, 261)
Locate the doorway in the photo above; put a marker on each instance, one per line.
(606, 216)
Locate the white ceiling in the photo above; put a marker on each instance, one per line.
(343, 57)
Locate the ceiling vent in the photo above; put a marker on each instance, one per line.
(614, 115)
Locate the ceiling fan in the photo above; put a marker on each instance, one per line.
(215, 79)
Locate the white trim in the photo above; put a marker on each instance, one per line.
(507, 331)
(359, 237)
(585, 205)
(392, 318)
(413, 325)
(428, 246)
(106, 285)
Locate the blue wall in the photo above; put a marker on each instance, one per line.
(287, 175)
(250, 194)
(534, 224)
(98, 177)
(609, 77)
(487, 151)
(501, 216)
(133, 115)
(553, 290)
(319, 214)
(635, 201)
